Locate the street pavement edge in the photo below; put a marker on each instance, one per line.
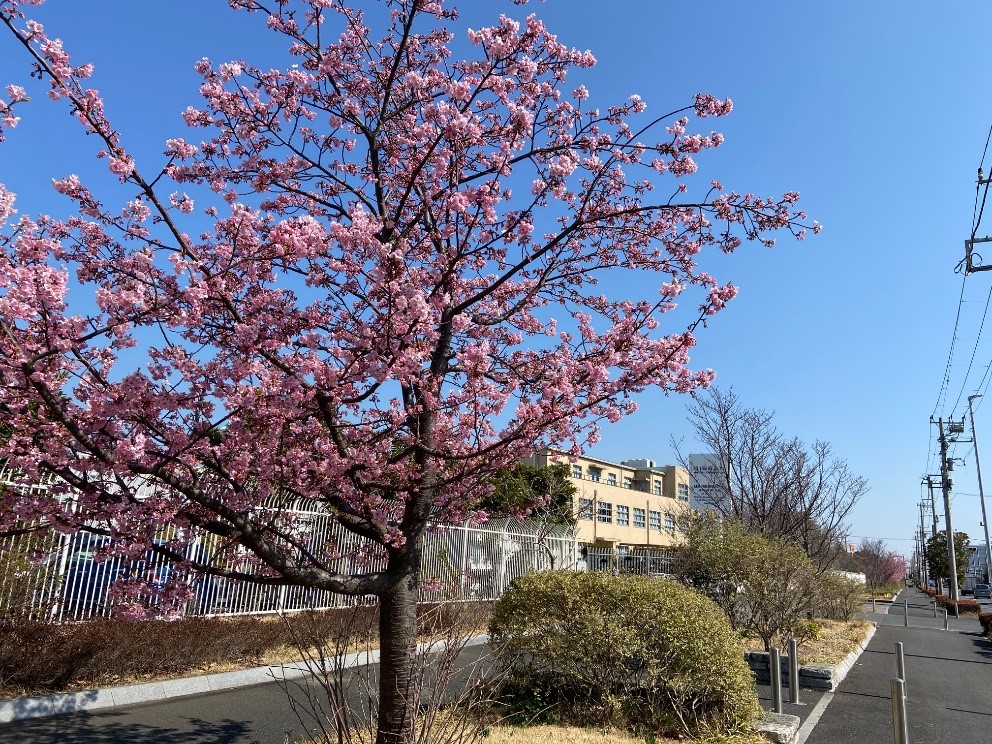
(20, 709)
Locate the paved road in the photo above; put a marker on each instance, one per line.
(948, 682)
(261, 714)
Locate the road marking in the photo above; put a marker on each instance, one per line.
(810, 723)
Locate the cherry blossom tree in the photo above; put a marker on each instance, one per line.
(367, 280)
(880, 565)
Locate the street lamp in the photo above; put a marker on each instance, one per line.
(981, 493)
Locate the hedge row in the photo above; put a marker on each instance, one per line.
(963, 606)
(42, 657)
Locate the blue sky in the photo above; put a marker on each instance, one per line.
(878, 113)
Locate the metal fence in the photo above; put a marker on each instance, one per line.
(632, 560)
(59, 576)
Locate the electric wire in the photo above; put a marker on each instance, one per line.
(978, 212)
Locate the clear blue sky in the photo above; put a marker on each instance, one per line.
(877, 112)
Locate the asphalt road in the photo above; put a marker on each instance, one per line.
(948, 675)
(266, 714)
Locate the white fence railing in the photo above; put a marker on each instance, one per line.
(51, 575)
(65, 577)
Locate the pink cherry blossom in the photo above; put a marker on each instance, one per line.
(357, 312)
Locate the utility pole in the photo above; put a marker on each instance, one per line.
(929, 479)
(945, 486)
(981, 492)
(921, 536)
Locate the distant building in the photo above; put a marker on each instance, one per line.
(977, 570)
(627, 507)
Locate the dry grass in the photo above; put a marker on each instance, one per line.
(837, 639)
(574, 735)
(546, 734)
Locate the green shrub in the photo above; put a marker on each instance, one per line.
(631, 651)
(42, 657)
(964, 606)
(764, 585)
(838, 597)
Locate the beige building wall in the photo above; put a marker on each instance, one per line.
(634, 503)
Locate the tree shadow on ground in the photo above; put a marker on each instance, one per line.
(86, 729)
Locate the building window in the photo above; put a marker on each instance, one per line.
(638, 517)
(605, 512)
(657, 488)
(611, 479)
(623, 516)
(595, 474)
(683, 491)
(628, 481)
(585, 509)
(670, 522)
(656, 520)
(576, 471)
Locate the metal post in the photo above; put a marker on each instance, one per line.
(905, 612)
(464, 561)
(945, 619)
(981, 493)
(872, 604)
(775, 674)
(901, 666)
(900, 726)
(935, 608)
(793, 671)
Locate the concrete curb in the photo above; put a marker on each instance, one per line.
(821, 677)
(20, 709)
(783, 728)
(841, 670)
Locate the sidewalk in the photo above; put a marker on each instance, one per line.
(948, 682)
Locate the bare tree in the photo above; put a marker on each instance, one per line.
(773, 483)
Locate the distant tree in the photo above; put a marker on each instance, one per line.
(775, 484)
(879, 565)
(937, 560)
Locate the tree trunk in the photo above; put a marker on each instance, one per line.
(398, 691)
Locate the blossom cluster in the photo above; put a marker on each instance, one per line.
(376, 316)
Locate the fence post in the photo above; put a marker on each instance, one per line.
(464, 561)
(901, 666)
(793, 671)
(775, 674)
(504, 542)
(900, 726)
